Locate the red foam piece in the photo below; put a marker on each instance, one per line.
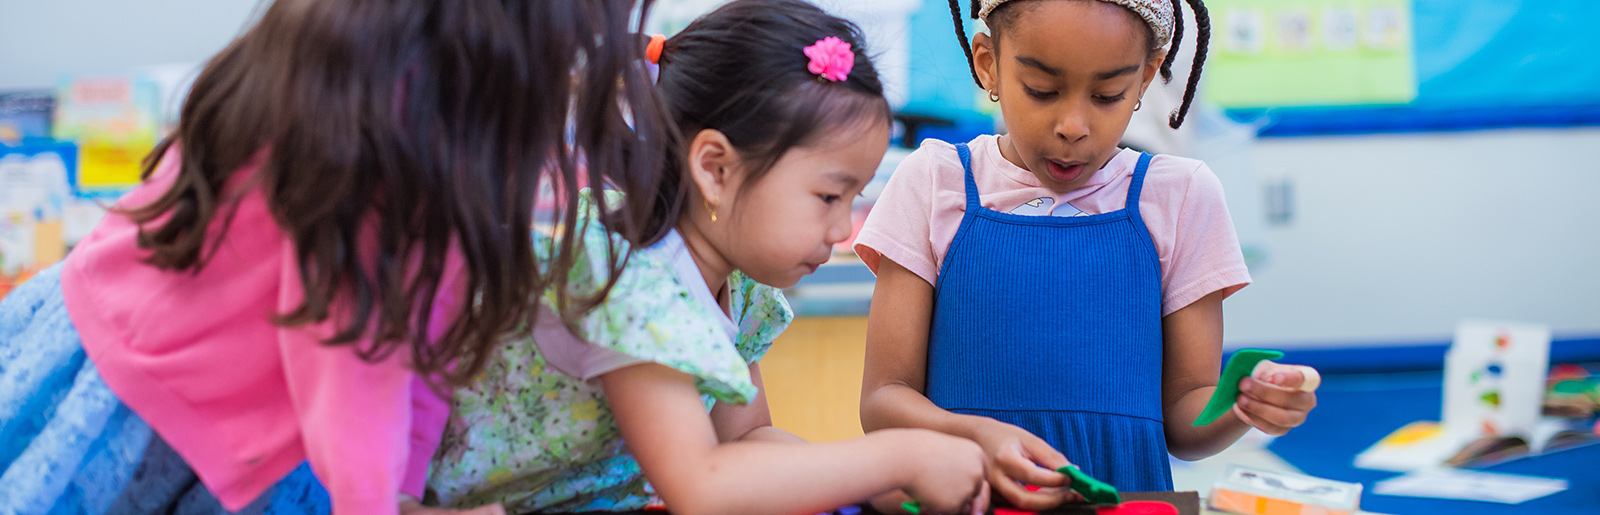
(1009, 511)
(1138, 508)
(1568, 371)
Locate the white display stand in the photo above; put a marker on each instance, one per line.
(1494, 383)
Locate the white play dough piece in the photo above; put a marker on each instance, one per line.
(1312, 378)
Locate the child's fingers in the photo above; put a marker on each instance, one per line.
(1264, 427)
(890, 502)
(1025, 470)
(1293, 377)
(1239, 412)
(1046, 456)
(1271, 419)
(1019, 496)
(980, 505)
(1269, 393)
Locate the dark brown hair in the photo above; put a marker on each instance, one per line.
(428, 128)
(742, 70)
(1007, 13)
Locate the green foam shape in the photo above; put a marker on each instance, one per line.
(1239, 366)
(1574, 387)
(1093, 490)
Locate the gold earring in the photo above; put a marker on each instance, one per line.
(994, 96)
(1138, 105)
(713, 211)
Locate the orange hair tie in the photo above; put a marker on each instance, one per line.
(658, 43)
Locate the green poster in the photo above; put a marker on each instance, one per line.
(1281, 53)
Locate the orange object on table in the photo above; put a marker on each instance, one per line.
(1252, 504)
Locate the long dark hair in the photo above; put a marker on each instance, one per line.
(1007, 13)
(428, 127)
(742, 70)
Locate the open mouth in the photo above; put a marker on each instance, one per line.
(1065, 172)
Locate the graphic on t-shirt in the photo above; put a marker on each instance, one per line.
(1041, 207)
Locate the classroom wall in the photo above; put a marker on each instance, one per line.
(1395, 237)
(40, 40)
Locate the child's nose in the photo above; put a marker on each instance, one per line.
(1073, 122)
(839, 226)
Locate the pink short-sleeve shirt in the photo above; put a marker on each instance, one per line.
(1182, 204)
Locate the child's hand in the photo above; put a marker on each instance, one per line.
(410, 506)
(1277, 397)
(1017, 458)
(891, 502)
(945, 473)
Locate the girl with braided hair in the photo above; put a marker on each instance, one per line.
(1052, 296)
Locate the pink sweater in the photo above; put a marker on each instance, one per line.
(244, 401)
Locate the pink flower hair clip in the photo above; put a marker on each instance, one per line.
(831, 59)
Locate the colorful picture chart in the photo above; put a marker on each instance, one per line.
(1282, 53)
(115, 120)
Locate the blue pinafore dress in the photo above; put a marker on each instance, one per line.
(1053, 324)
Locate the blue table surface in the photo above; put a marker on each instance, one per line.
(1355, 411)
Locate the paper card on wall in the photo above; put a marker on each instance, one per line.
(1280, 53)
(1294, 31)
(115, 120)
(33, 183)
(25, 115)
(1340, 30)
(1387, 27)
(33, 193)
(16, 244)
(1245, 34)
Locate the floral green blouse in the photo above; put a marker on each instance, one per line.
(535, 438)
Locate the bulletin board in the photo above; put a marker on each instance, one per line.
(1276, 53)
(1478, 64)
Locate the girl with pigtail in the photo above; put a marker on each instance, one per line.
(1048, 294)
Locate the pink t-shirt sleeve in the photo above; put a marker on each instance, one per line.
(571, 354)
(900, 226)
(1187, 216)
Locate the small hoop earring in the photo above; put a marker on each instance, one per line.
(1138, 105)
(713, 211)
(994, 96)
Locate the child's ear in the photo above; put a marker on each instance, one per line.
(712, 162)
(984, 60)
(1152, 69)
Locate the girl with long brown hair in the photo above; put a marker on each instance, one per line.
(336, 232)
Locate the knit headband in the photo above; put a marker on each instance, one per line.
(1157, 13)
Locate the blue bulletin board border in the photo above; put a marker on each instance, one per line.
(1317, 121)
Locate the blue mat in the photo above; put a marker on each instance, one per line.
(1354, 411)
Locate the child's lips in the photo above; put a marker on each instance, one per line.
(1065, 172)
